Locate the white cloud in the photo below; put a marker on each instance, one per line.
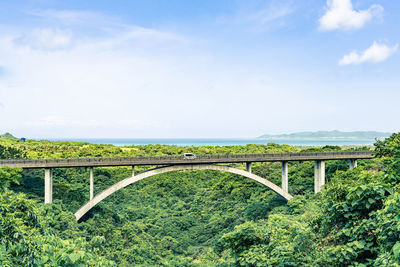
(340, 15)
(63, 121)
(71, 17)
(271, 13)
(46, 38)
(261, 15)
(114, 79)
(154, 35)
(90, 28)
(129, 81)
(374, 54)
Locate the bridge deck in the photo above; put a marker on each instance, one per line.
(179, 160)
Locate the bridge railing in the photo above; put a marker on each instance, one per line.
(180, 157)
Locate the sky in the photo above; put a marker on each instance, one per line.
(197, 69)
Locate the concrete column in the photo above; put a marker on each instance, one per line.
(322, 175)
(91, 183)
(285, 182)
(352, 163)
(133, 170)
(248, 166)
(48, 186)
(319, 175)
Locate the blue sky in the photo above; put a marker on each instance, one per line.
(197, 68)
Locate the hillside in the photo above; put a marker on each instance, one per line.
(328, 135)
(7, 136)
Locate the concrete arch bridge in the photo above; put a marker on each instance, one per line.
(179, 163)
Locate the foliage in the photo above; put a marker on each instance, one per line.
(10, 152)
(280, 241)
(24, 239)
(389, 151)
(8, 176)
(206, 218)
(354, 221)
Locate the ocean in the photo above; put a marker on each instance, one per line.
(213, 141)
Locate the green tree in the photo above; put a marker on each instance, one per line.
(8, 176)
(25, 241)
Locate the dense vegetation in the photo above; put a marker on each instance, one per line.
(201, 218)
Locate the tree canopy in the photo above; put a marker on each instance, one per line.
(201, 218)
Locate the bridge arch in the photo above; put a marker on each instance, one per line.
(130, 180)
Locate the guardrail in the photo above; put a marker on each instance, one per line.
(216, 158)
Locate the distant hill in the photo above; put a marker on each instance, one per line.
(8, 136)
(328, 135)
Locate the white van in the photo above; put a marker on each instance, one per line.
(189, 156)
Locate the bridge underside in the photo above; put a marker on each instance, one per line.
(135, 178)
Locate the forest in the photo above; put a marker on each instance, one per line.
(201, 218)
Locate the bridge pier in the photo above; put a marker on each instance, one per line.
(248, 166)
(319, 175)
(91, 182)
(133, 170)
(285, 182)
(48, 185)
(352, 163)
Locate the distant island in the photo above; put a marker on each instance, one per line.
(327, 135)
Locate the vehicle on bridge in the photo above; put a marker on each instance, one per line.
(189, 156)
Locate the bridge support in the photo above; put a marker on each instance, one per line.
(133, 170)
(319, 175)
(130, 180)
(352, 163)
(248, 166)
(91, 183)
(48, 185)
(285, 182)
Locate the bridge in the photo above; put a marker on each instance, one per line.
(178, 163)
